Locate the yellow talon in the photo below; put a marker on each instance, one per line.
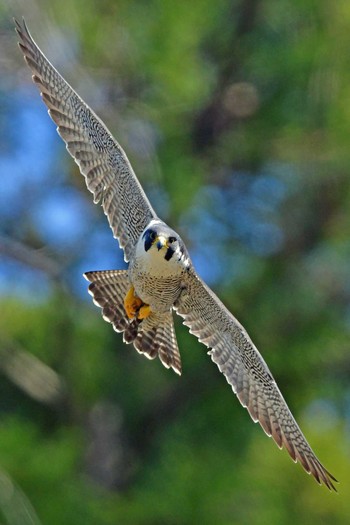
(132, 303)
(134, 306)
(144, 311)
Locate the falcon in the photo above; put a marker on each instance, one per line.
(160, 279)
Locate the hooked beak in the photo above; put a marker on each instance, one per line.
(161, 242)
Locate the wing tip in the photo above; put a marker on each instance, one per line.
(18, 26)
(21, 28)
(87, 276)
(311, 465)
(325, 478)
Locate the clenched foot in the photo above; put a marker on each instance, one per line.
(134, 306)
(144, 311)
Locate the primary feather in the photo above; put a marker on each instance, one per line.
(106, 168)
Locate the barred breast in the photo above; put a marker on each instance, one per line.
(158, 290)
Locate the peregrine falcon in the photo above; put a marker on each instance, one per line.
(160, 277)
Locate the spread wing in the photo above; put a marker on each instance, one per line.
(105, 166)
(246, 371)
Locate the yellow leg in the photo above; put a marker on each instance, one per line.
(134, 306)
(132, 303)
(144, 311)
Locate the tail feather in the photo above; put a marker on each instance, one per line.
(108, 289)
(152, 337)
(157, 338)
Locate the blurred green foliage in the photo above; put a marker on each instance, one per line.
(92, 433)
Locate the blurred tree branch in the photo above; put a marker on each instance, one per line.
(30, 374)
(22, 253)
(14, 504)
(214, 118)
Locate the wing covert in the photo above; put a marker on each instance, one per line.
(103, 163)
(246, 371)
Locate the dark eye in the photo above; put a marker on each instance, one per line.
(152, 235)
(172, 239)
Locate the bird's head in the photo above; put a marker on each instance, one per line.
(161, 242)
(155, 238)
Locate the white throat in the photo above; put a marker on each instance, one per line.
(153, 261)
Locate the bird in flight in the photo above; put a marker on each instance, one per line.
(160, 277)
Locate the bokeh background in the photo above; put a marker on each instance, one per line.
(236, 118)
